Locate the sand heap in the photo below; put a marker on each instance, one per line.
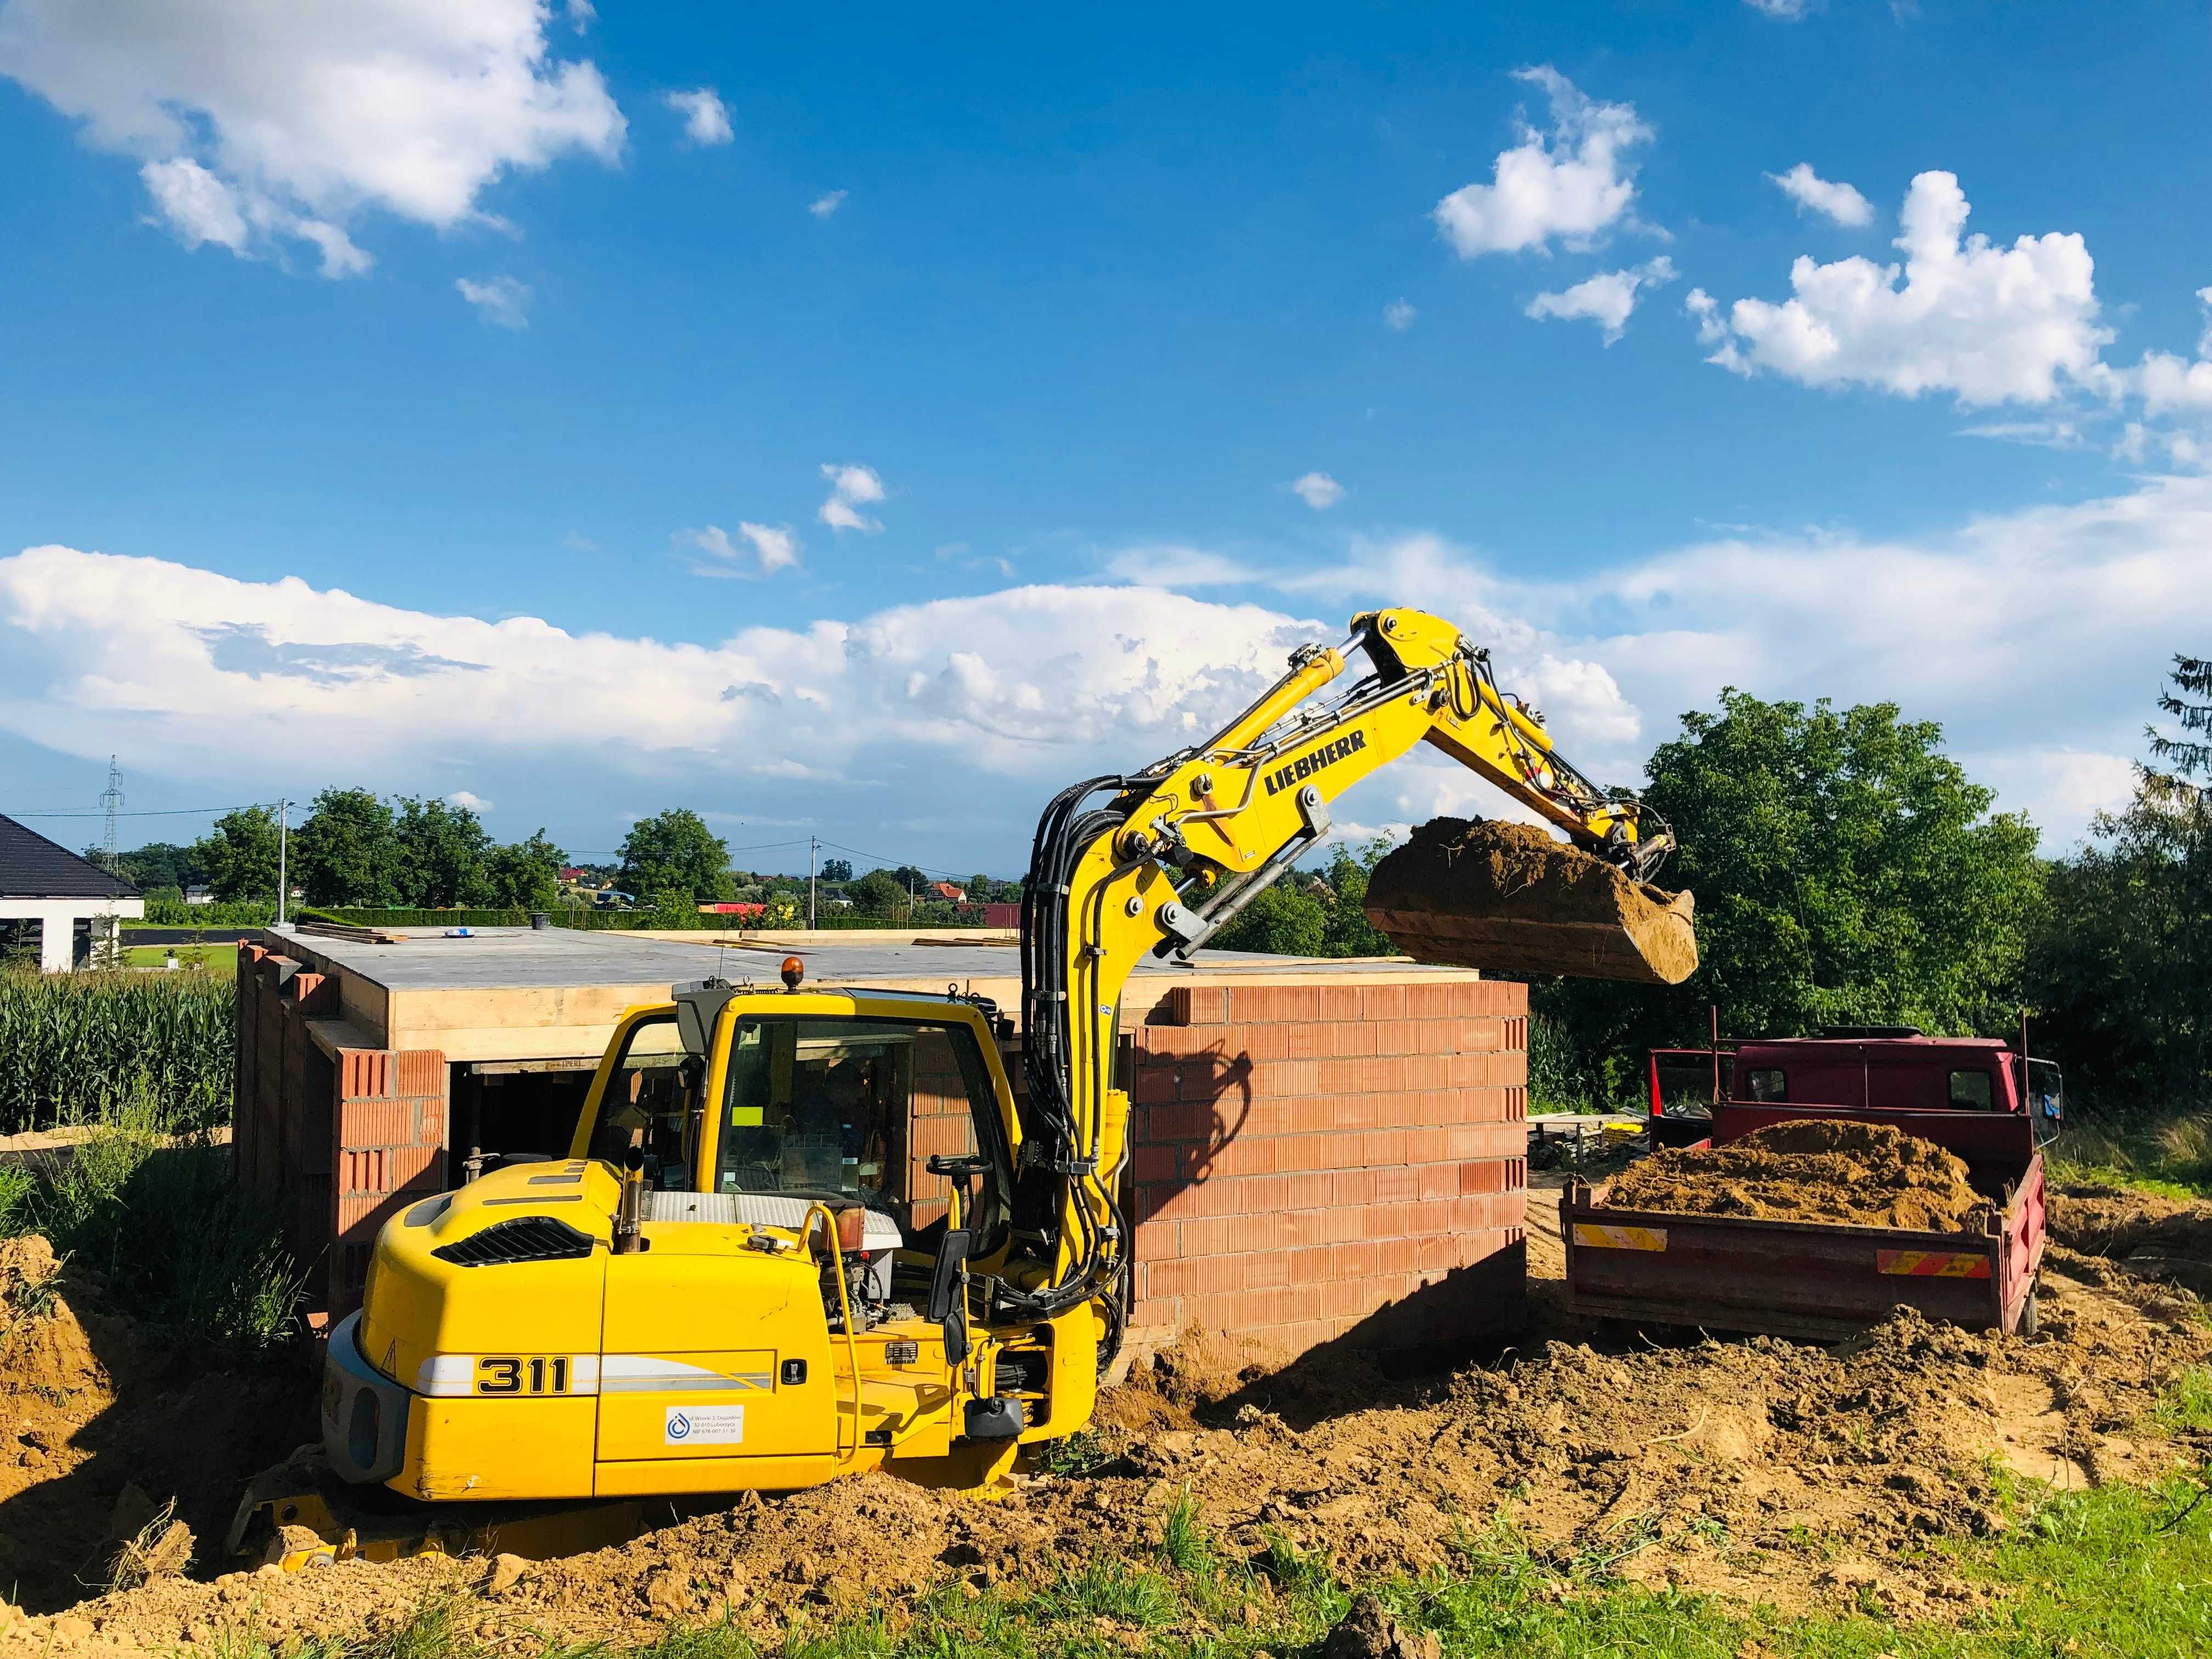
(1866, 1174)
(1507, 898)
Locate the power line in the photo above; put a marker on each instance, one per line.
(161, 813)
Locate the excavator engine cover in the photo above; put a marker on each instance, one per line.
(1508, 897)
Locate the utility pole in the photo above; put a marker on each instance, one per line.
(813, 853)
(284, 835)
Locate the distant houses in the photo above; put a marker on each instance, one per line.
(70, 903)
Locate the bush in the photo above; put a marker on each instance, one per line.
(74, 1047)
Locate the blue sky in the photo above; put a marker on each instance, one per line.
(386, 396)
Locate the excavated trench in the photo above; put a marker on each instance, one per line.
(1791, 1473)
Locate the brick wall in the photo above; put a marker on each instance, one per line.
(1315, 1161)
(344, 1140)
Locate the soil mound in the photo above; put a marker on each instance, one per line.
(1867, 1174)
(1506, 896)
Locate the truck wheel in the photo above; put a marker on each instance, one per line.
(2029, 1321)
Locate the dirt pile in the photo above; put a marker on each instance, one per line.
(1867, 1174)
(117, 1443)
(1506, 896)
(2153, 1237)
(1785, 1473)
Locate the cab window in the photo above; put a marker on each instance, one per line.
(846, 1107)
(1971, 1091)
(1766, 1083)
(650, 1104)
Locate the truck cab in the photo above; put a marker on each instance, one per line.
(1869, 1067)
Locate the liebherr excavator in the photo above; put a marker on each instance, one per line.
(725, 1286)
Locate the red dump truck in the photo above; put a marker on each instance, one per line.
(1976, 1097)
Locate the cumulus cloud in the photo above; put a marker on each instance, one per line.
(1838, 201)
(139, 655)
(1318, 491)
(767, 549)
(1989, 325)
(827, 204)
(1605, 298)
(706, 116)
(1398, 316)
(1573, 183)
(1788, 11)
(1168, 564)
(468, 802)
(851, 488)
(502, 302)
(259, 124)
(2170, 383)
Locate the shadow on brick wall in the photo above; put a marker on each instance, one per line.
(1470, 1316)
(1181, 1143)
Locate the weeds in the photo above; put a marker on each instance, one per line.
(166, 1228)
(1184, 1538)
(1080, 1454)
(2186, 1404)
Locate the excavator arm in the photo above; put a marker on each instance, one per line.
(1153, 863)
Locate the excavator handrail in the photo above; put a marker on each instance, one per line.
(845, 1317)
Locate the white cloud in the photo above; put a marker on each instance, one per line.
(827, 204)
(468, 802)
(851, 488)
(1573, 183)
(309, 114)
(706, 116)
(767, 549)
(1838, 201)
(1789, 11)
(502, 301)
(160, 662)
(1398, 316)
(2170, 383)
(2040, 435)
(1318, 491)
(582, 14)
(1605, 298)
(1166, 564)
(1960, 628)
(1990, 325)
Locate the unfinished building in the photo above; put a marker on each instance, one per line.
(1322, 1149)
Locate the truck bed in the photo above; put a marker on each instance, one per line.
(1812, 1280)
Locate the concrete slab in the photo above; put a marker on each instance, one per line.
(507, 993)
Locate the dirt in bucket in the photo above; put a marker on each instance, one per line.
(1866, 1174)
(1480, 893)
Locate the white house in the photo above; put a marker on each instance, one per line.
(75, 902)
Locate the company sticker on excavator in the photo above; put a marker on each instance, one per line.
(704, 1425)
(1594, 1236)
(1932, 1264)
(522, 1374)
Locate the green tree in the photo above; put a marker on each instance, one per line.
(675, 851)
(880, 890)
(1346, 932)
(348, 852)
(2119, 973)
(1846, 872)
(1282, 921)
(836, 869)
(239, 855)
(163, 864)
(442, 851)
(525, 874)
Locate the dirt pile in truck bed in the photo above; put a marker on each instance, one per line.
(1480, 893)
(1864, 1175)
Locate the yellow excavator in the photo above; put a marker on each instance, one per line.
(736, 1279)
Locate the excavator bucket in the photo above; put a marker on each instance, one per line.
(1508, 897)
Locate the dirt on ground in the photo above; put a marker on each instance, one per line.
(1867, 1174)
(122, 1449)
(1803, 1476)
(1479, 893)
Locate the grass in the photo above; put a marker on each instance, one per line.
(170, 1234)
(2097, 1574)
(218, 961)
(2170, 1156)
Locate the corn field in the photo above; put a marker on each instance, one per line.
(77, 1048)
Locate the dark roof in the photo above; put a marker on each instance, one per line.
(30, 866)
